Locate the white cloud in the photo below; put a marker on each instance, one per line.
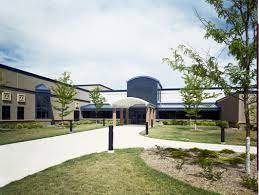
(104, 42)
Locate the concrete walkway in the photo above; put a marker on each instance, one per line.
(25, 158)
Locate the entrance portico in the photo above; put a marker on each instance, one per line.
(133, 103)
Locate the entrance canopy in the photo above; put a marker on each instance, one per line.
(130, 102)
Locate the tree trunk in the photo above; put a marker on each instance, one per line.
(247, 127)
(195, 126)
(96, 118)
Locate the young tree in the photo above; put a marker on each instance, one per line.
(97, 99)
(194, 94)
(65, 92)
(237, 31)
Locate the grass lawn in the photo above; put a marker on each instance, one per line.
(122, 172)
(206, 134)
(12, 136)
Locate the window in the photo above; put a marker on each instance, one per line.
(20, 113)
(6, 114)
(43, 104)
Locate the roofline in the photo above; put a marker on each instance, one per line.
(95, 85)
(34, 75)
(149, 77)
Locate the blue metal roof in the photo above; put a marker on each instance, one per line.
(180, 106)
(149, 77)
(91, 107)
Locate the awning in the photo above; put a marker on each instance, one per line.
(131, 102)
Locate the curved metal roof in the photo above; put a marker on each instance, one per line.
(130, 102)
(148, 77)
(91, 107)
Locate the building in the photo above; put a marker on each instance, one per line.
(27, 96)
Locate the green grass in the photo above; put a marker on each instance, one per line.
(204, 134)
(12, 136)
(122, 172)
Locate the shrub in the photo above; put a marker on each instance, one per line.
(227, 151)
(165, 122)
(243, 156)
(195, 150)
(180, 164)
(223, 124)
(249, 182)
(177, 153)
(207, 166)
(24, 125)
(234, 160)
(208, 154)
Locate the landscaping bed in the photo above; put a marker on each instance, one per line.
(220, 172)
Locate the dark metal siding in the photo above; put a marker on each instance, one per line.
(144, 88)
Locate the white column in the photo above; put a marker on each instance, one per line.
(114, 117)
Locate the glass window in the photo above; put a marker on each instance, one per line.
(20, 113)
(43, 104)
(6, 113)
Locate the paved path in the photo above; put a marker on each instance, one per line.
(25, 158)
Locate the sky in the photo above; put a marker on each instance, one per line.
(101, 41)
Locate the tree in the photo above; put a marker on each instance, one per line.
(97, 99)
(237, 32)
(65, 92)
(194, 94)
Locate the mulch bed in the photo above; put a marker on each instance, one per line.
(230, 183)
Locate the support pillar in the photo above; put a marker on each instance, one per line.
(121, 116)
(154, 116)
(127, 116)
(114, 117)
(150, 117)
(147, 115)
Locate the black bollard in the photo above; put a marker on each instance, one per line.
(110, 147)
(71, 126)
(222, 135)
(103, 121)
(146, 128)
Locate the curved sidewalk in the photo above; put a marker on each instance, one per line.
(19, 160)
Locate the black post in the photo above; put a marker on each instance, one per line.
(146, 128)
(222, 135)
(110, 147)
(152, 123)
(71, 126)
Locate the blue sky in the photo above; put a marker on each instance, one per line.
(102, 41)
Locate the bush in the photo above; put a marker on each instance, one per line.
(208, 154)
(179, 154)
(165, 123)
(223, 124)
(24, 125)
(234, 160)
(250, 182)
(243, 156)
(227, 151)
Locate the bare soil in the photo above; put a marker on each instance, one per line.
(230, 183)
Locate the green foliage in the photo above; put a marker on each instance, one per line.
(237, 32)
(97, 99)
(234, 160)
(208, 154)
(65, 92)
(227, 151)
(243, 156)
(178, 153)
(223, 124)
(184, 122)
(25, 125)
(194, 94)
(250, 182)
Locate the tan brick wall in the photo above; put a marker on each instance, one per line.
(25, 82)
